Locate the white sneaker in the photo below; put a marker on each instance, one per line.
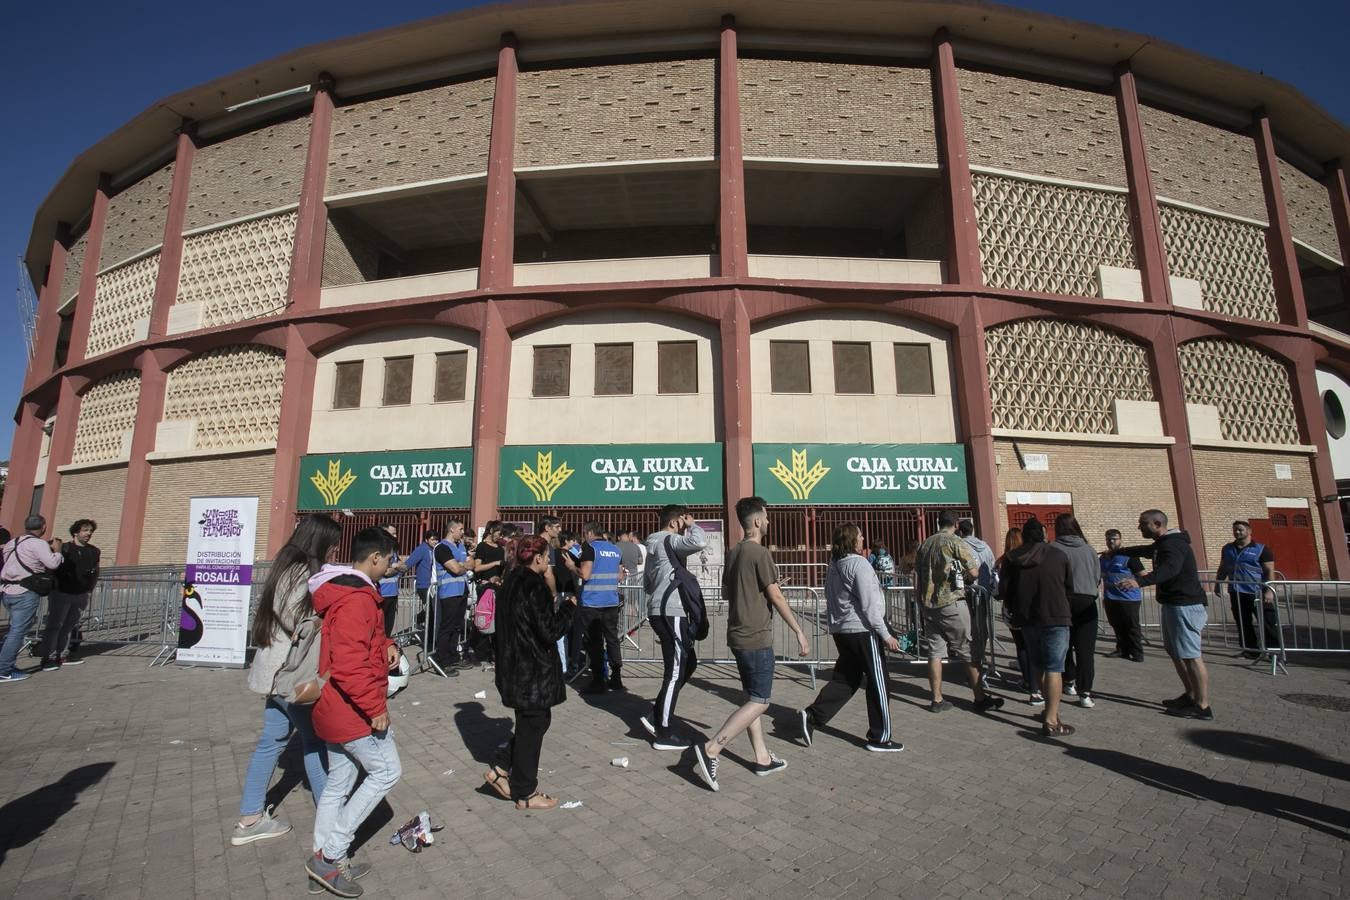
(1085, 701)
(1070, 690)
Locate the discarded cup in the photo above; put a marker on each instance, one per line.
(620, 761)
(481, 695)
(572, 804)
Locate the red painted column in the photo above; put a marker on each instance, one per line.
(1308, 405)
(171, 254)
(976, 414)
(297, 395)
(495, 268)
(1279, 239)
(1167, 388)
(733, 245)
(48, 317)
(963, 236)
(1340, 212)
(63, 444)
(736, 404)
(23, 460)
(1145, 223)
(489, 412)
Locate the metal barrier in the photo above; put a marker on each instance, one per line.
(1311, 618)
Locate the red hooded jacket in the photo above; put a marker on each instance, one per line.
(352, 653)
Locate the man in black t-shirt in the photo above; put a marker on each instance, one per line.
(75, 580)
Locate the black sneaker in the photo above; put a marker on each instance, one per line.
(50, 664)
(885, 746)
(940, 706)
(773, 765)
(72, 661)
(595, 687)
(616, 683)
(668, 742)
(1179, 702)
(706, 767)
(806, 726)
(1193, 712)
(988, 702)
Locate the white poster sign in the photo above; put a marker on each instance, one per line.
(707, 563)
(213, 620)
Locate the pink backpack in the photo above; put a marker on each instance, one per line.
(485, 612)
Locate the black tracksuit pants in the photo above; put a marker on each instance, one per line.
(861, 661)
(1244, 614)
(1080, 665)
(678, 659)
(1124, 618)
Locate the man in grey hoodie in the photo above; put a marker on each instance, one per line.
(681, 534)
(857, 611)
(1079, 664)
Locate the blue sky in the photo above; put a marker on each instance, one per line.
(78, 70)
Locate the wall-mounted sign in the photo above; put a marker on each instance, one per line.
(397, 479)
(861, 473)
(610, 475)
(1036, 462)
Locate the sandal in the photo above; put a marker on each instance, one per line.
(1057, 730)
(537, 800)
(498, 781)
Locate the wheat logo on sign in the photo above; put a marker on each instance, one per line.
(799, 480)
(544, 480)
(333, 485)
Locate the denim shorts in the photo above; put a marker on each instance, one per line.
(1182, 627)
(756, 668)
(1046, 647)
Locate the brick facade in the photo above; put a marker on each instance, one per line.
(631, 111)
(822, 110)
(248, 174)
(1201, 164)
(136, 218)
(1309, 206)
(174, 483)
(346, 258)
(96, 495)
(1110, 483)
(1041, 129)
(420, 136)
(1234, 484)
(70, 278)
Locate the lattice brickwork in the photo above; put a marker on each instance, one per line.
(825, 110)
(647, 110)
(1309, 206)
(1228, 258)
(70, 279)
(248, 174)
(1058, 376)
(239, 272)
(136, 218)
(1049, 238)
(233, 393)
(107, 412)
(1201, 164)
(1251, 390)
(123, 296)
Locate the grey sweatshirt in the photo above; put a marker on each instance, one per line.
(1084, 563)
(854, 599)
(657, 571)
(984, 556)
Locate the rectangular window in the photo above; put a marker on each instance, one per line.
(913, 369)
(398, 374)
(347, 385)
(613, 369)
(789, 367)
(452, 373)
(852, 367)
(552, 371)
(677, 367)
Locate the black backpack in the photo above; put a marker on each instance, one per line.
(691, 594)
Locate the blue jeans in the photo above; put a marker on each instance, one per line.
(278, 717)
(756, 668)
(1046, 647)
(338, 817)
(22, 609)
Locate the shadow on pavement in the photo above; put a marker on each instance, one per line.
(25, 819)
(482, 734)
(1258, 748)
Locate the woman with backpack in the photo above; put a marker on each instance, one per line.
(284, 603)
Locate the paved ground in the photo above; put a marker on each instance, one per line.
(121, 781)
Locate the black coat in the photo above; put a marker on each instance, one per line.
(1036, 583)
(1174, 575)
(529, 670)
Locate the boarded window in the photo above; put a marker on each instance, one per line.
(552, 371)
(677, 367)
(398, 372)
(347, 385)
(613, 369)
(452, 373)
(913, 369)
(852, 367)
(789, 367)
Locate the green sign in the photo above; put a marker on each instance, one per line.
(394, 479)
(610, 475)
(861, 473)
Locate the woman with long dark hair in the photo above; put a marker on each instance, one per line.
(857, 615)
(1080, 666)
(284, 603)
(529, 670)
(1030, 679)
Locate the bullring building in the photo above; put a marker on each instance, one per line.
(865, 260)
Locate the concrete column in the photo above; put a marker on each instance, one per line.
(736, 405)
(1308, 407)
(148, 413)
(48, 316)
(62, 446)
(23, 460)
(1145, 223)
(732, 243)
(495, 268)
(1340, 212)
(963, 236)
(171, 255)
(1279, 239)
(489, 412)
(976, 416)
(1167, 388)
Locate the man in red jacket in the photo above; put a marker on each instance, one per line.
(351, 715)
